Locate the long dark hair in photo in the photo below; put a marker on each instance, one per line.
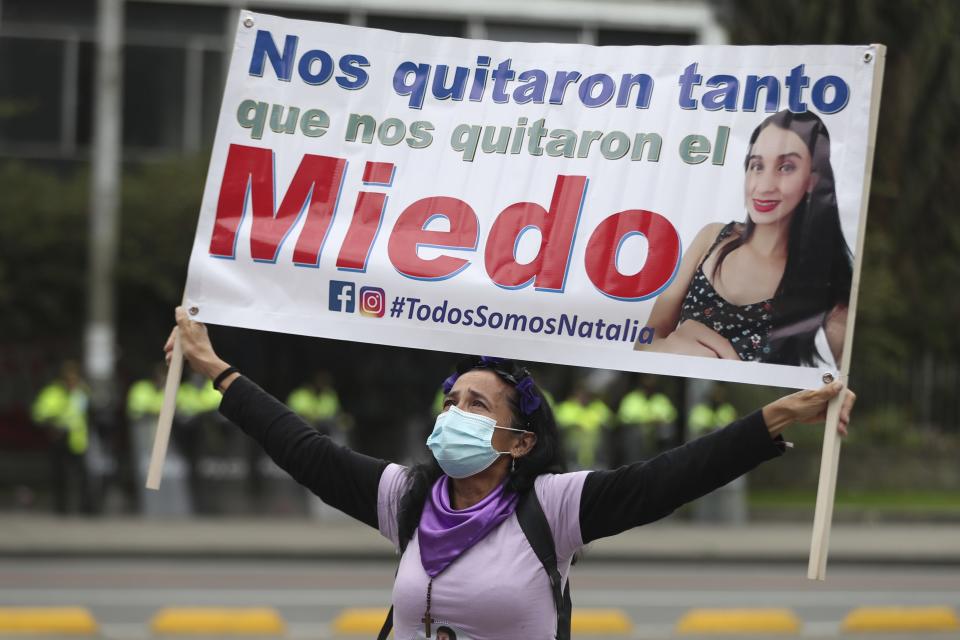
(819, 268)
(545, 457)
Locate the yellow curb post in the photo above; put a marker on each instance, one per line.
(901, 619)
(731, 621)
(219, 621)
(363, 621)
(600, 621)
(356, 621)
(59, 620)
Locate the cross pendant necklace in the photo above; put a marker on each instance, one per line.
(426, 620)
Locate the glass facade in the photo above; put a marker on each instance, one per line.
(506, 32)
(30, 95)
(153, 96)
(175, 58)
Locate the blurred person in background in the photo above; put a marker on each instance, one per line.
(663, 413)
(197, 403)
(646, 418)
(317, 402)
(634, 427)
(584, 418)
(61, 408)
(711, 414)
(144, 401)
(145, 398)
(467, 558)
(728, 504)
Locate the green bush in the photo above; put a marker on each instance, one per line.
(43, 253)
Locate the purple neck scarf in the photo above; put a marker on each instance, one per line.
(445, 533)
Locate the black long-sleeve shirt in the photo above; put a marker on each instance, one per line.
(611, 502)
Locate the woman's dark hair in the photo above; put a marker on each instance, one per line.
(546, 456)
(818, 272)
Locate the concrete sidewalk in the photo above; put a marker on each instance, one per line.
(40, 535)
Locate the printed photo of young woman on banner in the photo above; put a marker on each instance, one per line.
(774, 286)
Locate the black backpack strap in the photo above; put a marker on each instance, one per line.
(387, 625)
(534, 524)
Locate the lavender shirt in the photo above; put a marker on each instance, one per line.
(497, 589)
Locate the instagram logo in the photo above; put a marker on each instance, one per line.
(373, 302)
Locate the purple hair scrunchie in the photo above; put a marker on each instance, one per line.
(449, 382)
(529, 400)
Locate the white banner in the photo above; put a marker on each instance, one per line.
(678, 210)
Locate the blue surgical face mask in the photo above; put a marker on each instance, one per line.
(461, 442)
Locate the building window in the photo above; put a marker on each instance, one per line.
(153, 88)
(627, 38)
(425, 26)
(214, 80)
(31, 91)
(505, 32)
(299, 14)
(69, 13)
(177, 20)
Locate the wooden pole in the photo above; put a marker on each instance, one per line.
(830, 457)
(162, 437)
(823, 514)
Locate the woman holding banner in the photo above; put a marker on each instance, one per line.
(762, 290)
(488, 528)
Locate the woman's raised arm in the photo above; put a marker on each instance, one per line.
(342, 478)
(620, 499)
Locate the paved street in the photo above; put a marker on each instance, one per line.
(338, 538)
(123, 594)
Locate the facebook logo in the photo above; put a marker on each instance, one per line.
(342, 297)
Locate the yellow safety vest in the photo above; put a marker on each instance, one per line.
(144, 399)
(314, 406)
(192, 401)
(583, 424)
(64, 409)
(724, 415)
(705, 418)
(569, 414)
(597, 415)
(635, 409)
(661, 409)
(701, 419)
